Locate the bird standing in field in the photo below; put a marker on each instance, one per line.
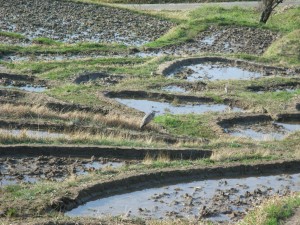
(147, 118)
(226, 88)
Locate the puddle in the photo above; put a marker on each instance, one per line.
(33, 133)
(224, 199)
(87, 167)
(289, 90)
(49, 57)
(209, 40)
(14, 170)
(29, 88)
(10, 180)
(206, 72)
(264, 132)
(174, 89)
(148, 54)
(165, 107)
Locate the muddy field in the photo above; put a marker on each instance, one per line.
(201, 194)
(227, 40)
(63, 121)
(24, 169)
(76, 22)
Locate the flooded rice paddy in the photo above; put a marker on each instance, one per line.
(211, 72)
(264, 131)
(216, 200)
(165, 107)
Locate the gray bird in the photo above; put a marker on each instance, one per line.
(147, 118)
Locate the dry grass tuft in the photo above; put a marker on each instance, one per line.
(161, 157)
(74, 117)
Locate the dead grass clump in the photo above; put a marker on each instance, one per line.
(229, 154)
(123, 121)
(161, 157)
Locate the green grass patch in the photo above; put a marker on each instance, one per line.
(284, 22)
(190, 125)
(273, 101)
(12, 35)
(80, 94)
(273, 212)
(58, 70)
(286, 50)
(45, 41)
(203, 17)
(176, 35)
(52, 47)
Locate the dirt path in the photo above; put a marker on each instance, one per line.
(190, 6)
(295, 219)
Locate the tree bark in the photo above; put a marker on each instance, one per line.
(268, 7)
(266, 14)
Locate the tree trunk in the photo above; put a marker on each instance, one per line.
(266, 14)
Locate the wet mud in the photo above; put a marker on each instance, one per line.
(16, 169)
(13, 41)
(213, 63)
(184, 88)
(219, 200)
(72, 22)
(169, 177)
(262, 127)
(22, 82)
(99, 78)
(288, 86)
(227, 40)
(174, 89)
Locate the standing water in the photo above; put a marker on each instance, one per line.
(217, 200)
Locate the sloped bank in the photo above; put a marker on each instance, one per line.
(102, 151)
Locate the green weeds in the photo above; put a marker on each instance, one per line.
(12, 35)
